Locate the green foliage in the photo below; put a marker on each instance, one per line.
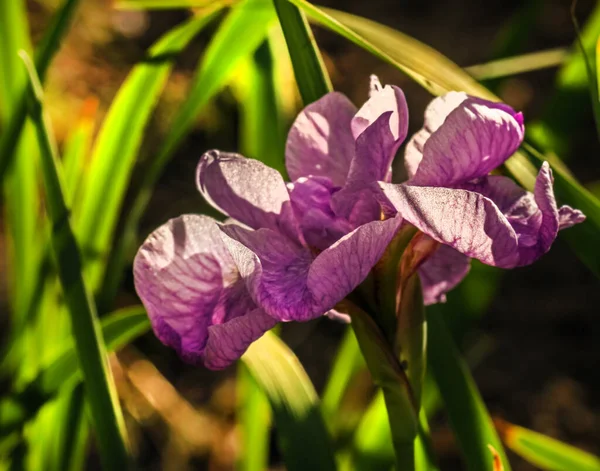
(302, 434)
(546, 453)
(104, 405)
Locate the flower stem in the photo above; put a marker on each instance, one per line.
(390, 377)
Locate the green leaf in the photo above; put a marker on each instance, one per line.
(262, 135)
(227, 49)
(348, 361)
(105, 409)
(468, 415)
(311, 76)
(544, 452)
(118, 142)
(438, 74)
(302, 435)
(589, 60)
(48, 47)
(77, 148)
(255, 419)
(510, 66)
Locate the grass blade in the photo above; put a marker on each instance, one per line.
(303, 437)
(118, 141)
(262, 135)
(311, 76)
(105, 410)
(520, 64)
(544, 452)
(255, 419)
(348, 361)
(467, 412)
(589, 60)
(46, 51)
(21, 189)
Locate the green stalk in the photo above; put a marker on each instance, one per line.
(311, 75)
(397, 393)
(48, 48)
(105, 410)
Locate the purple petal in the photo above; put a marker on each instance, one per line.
(246, 190)
(311, 200)
(435, 115)
(320, 142)
(189, 285)
(474, 139)
(227, 342)
(464, 220)
(375, 150)
(343, 266)
(533, 216)
(445, 269)
(542, 225)
(382, 100)
(568, 217)
(288, 284)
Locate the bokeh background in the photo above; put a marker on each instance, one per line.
(531, 334)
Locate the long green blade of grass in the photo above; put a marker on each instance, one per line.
(589, 59)
(105, 409)
(262, 134)
(302, 435)
(48, 47)
(438, 74)
(255, 419)
(227, 49)
(467, 412)
(545, 452)
(20, 189)
(311, 76)
(117, 145)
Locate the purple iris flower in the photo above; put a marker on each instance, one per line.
(294, 251)
(451, 197)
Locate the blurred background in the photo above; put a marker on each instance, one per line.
(530, 335)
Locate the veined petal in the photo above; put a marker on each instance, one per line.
(476, 137)
(189, 285)
(382, 100)
(246, 190)
(289, 283)
(568, 217)
(435, 115)
(441, 272)
(311, 200)
(375, 150)
(320, 142)
(343, 266)
(227, 342)
(545, 221)
(464, 220)
(533, 216)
